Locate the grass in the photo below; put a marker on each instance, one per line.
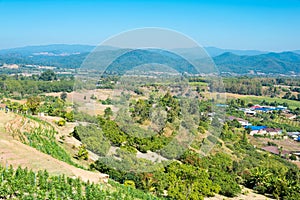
(198, 84)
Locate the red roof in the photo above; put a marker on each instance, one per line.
(256, 106)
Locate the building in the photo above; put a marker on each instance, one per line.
(240, 120)
(257, 130)
(294, 135)
(259, 108)
(273, 131)
(248, 111)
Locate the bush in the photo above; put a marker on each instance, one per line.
(129, 149)
(61, 122)
(129, 183)
(293, 157)
(82, 153)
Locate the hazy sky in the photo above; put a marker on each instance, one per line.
(238, 24)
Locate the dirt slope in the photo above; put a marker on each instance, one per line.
(15, 153)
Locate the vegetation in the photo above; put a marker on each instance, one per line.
(26, 184)
(44, 140)
(152, 124)
(21, 87)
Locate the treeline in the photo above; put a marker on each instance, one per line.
(18, 87)
(254, 86)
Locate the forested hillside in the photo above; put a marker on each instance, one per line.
(72, 56)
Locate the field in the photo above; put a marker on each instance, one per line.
(258, 99)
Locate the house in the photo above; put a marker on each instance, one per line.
(294, 135)
(257, 130)
(273, 131)
(240, 120)
(255, 107)
(281, 108)
(259, 108)
(248, 111)
(243, 122)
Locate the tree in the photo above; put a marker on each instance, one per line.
(48, 75)
(64, 96)
(108, 112)
(33, 103)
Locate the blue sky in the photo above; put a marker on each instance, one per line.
(272, 25)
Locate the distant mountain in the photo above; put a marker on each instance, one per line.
(226, 60)
(213, 51)
(136, 58)
(53, 49)
(274, 63)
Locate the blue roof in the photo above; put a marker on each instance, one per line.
(256, 128)
(268, 109)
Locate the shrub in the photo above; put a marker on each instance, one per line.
(61, 122)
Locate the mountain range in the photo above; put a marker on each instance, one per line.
(226, 60)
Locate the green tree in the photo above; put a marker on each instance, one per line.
(33, 103)
(64, 96)
(108, 112)
(48, 75)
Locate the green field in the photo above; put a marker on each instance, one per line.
(258, 99)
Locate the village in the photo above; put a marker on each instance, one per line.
(269, 133)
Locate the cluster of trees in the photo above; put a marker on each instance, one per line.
(53, 106)
(19, 87)
(196, 177)
(254, 86)
(244, 86)
(118, 137)
(193, 178)
(141, 109)
(93, 138)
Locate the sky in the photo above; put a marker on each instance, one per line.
(269, 25)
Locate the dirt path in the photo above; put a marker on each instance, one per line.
(15, 153)
(248, 195)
